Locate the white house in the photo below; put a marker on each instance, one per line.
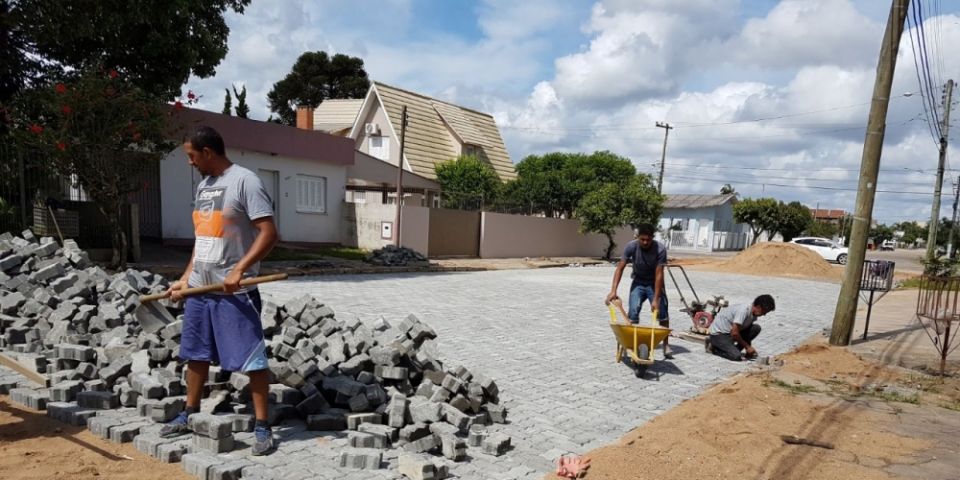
(702, 222)
(305, 173)
(437, 131)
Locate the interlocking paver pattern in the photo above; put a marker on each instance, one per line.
(543, 336)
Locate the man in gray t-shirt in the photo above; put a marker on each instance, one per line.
(735, 328)
(227, 207)
(234, 229)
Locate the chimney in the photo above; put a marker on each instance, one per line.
(305, 117)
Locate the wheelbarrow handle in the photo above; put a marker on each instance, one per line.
(188, 292)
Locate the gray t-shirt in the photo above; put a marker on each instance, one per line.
(645, 262)
(223, 223)
(740, 314)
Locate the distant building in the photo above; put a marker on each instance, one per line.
(828, 215)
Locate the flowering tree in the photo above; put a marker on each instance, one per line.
(100, 130)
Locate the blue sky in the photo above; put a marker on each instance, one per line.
(584, 76)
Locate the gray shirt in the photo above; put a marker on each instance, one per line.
(737, 314)
(645, 262)
(223, 217)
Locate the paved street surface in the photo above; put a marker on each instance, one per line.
(908, 260)
(543, 335)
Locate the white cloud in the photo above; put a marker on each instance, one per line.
(639, 49)
(808, 32)
(696, 64)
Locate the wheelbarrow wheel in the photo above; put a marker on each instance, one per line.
(643, 351)
(640, 369)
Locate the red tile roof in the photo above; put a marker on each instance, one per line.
(271, 138)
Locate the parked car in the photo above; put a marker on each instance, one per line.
(888, 245)
(827, 248)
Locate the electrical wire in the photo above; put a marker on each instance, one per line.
(784, 185)
(925, 63)
(923, 95)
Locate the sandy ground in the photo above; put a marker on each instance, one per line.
(906, 429)
(33, 446)
(822, 393)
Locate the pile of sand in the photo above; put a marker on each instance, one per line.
(781, 259)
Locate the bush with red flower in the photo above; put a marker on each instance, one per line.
(101, 129)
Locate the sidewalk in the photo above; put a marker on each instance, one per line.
(895, 337)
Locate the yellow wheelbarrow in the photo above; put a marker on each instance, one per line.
(637, 341)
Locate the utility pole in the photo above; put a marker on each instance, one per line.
(846, 312)
(938, 188)
(953, 224)
(403, 134)
(663, 156)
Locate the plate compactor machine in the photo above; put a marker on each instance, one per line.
(701, 312)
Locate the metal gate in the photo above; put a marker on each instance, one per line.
(31, 193)
(454, 233)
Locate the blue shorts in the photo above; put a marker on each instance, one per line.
(639, 294)
(225, 329)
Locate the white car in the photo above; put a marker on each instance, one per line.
(827, 248)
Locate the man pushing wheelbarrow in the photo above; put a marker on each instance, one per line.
(648, 258)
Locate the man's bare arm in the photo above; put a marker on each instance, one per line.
(617, 275)
(265, 241)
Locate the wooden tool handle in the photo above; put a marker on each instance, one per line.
(188, 292)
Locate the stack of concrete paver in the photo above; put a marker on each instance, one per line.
(393, 256)
(114, 367)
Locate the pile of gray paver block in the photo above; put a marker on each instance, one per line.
(115, 368)
(393, 256)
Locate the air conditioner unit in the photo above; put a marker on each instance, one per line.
(372, 129)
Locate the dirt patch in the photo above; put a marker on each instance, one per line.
(734, 429)
(780, 260)
(33, 446)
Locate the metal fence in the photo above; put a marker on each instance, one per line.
(34, 196)
(26, 180)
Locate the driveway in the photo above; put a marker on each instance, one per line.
(543, 335)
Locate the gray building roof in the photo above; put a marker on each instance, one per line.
(697, 201)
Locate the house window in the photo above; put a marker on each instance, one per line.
(472, 150)
(380, 147)
(359, 196)
(311, 194)
(391, 198)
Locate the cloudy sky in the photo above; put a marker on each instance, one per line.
(769, 96)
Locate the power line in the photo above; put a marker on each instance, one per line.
(924, 97)
(925, 62)
(705, 124)
(904, 170)
(783, 185)
(724, 138)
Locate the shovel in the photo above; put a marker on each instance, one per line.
(154, 317)
(218, 287)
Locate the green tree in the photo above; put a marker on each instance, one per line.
(791, 220)
(912, 232)
(314, 78)
(98, 128)
(241, 109)
(554, 183)
(467, 183)
(541, 185)
(881, 232)
(227, 103)
(727, 189)
(823, 229)
(16, 68)
(759, 213)
(156, 45)
(616, 204)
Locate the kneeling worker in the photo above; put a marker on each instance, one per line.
(734, 329)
